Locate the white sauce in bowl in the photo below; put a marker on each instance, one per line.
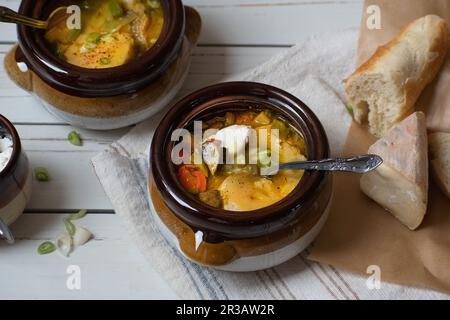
(6, 149)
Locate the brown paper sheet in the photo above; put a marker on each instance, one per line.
(360, 233)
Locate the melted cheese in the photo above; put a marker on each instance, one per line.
(246, 192)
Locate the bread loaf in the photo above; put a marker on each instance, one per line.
(384, 90)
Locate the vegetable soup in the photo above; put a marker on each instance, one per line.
(113, 32)
(242, 187)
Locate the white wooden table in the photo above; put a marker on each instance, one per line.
(237, 35)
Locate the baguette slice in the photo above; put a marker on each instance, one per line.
(400, 184)
(440, 159)
(384, 90)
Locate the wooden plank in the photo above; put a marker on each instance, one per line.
(111, 266)
(273, 22)
(209, 65)
(280, 22)
(73, 183)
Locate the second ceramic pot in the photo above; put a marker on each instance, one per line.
(15, 181)
(107, 98)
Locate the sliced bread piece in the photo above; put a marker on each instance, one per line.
(400, 184)
(440, 159)
(384, 90)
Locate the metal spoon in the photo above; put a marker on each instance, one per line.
(6, 233)
(359, 164)
(10, 16)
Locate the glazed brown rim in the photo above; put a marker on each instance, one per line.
(218, 221)
(84, 82)
(17, 147)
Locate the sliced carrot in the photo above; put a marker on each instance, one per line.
(202, 184)
(192, 179)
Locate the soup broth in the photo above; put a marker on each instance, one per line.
(113, 32)
(241, 187)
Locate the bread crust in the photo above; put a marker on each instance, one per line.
(436, 162)
(439, 37)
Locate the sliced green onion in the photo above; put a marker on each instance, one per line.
(74, 138)
(77, 216)
(70, 227)
(109, 26)
(349, 108)
(105, 61)
(93, 37)
(281, 126)
(115, 8)
(41, 174)
(108, 38)
(46, 248)
(153, 4)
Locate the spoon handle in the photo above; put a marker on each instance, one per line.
(10, 16)
(360, 164)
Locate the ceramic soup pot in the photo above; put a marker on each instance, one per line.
(106, 98)
(15, 178)
(229, 240)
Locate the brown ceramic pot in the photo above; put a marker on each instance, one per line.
(83, 82)
(243, 241)
(15, 181)
(108, 98)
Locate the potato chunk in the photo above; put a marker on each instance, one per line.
(290, 153)
(109, 51)
(245, 192)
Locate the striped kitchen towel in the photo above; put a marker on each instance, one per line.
(311, 71)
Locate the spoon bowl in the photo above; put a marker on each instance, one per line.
(56, 17)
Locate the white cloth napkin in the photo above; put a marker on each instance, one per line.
(312, 71)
